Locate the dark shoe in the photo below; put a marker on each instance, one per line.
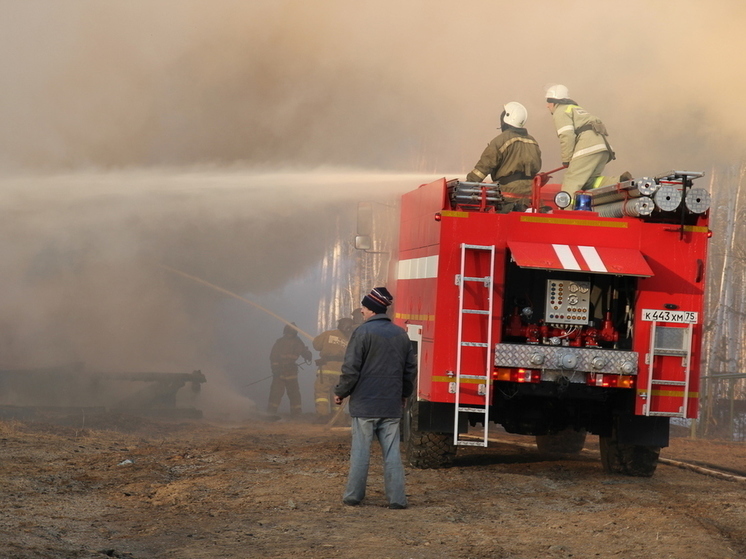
(350, 502)
(397, 506)
(626, 176)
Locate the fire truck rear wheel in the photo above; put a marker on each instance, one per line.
(425, 450)
(628, 459)
(568, 441)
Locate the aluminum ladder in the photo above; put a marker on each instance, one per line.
(682, 349)
(483, 390)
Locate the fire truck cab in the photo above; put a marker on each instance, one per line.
(552, 322)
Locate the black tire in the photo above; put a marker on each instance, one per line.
(628, 459)
(568, 441)
(425, 450)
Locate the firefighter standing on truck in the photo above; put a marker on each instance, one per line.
(331, 346)
(511, 159)
(283, 358)
(585, 149)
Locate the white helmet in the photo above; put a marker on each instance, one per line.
(558, 92)
(515, 114)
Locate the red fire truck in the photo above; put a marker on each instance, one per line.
(553, 322)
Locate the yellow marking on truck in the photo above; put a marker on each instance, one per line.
(463, 380)
(669, 393)
(696, 229)
(417, 317)
(561, 221)
(451, 213)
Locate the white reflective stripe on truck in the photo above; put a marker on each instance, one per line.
(418, 268)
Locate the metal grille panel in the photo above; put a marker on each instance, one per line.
(566, 358)
(670, 338)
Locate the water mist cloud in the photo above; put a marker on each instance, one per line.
(86, 257)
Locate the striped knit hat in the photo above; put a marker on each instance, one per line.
(378, 300)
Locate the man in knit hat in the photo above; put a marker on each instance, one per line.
(377, 374)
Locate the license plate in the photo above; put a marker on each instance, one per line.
(677, 317)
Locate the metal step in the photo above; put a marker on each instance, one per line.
(671, 352)
(480, 280)
(474, 311)
(471, 443)
(473, 410)
(670, 382)
(667, 413)
(480, 377)
(474, 344)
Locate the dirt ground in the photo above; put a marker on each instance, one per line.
(129, 487)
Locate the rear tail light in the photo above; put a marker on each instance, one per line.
(517, 375)
(611, 381)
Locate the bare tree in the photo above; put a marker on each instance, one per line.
(724, 335)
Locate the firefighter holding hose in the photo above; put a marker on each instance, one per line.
(284, 361)
(512, 159)
(583, 143)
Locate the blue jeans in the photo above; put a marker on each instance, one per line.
(387, 432)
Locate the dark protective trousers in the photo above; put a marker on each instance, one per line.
(281, 383)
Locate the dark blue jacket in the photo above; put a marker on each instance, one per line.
(378, 370)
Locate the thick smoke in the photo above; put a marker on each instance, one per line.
(413, 85)
(101, 270)
(209, 137)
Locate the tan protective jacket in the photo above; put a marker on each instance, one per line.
(568, 119)
(331, 346)
(513, 151)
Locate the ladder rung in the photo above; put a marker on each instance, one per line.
(479, 247)
(670, 352)
(474, 311)
(474, 344)
(471, 443)
(474, 410)
(667, 413)
(482, 280)
(483, 377)
(670, 382)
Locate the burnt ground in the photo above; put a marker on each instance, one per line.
(141, 488)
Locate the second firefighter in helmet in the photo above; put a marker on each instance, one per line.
(585, 150)
(331, 346)
(511, 159)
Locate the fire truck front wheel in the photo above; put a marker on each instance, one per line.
(423, 449)
(628, 459)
